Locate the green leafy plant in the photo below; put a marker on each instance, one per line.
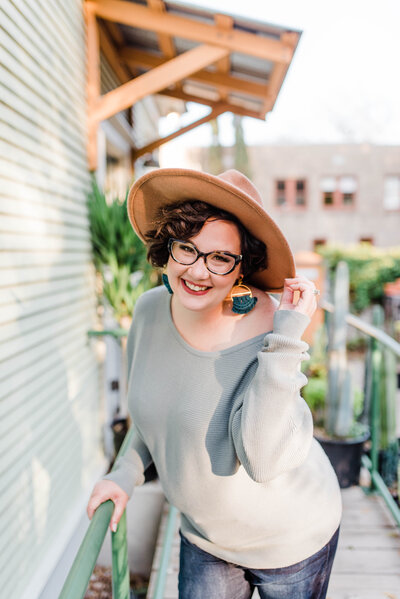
(369, 269)
(118, 253)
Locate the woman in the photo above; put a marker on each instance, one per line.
(214, 394)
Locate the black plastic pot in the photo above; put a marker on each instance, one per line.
(120, 428)
(345, 457)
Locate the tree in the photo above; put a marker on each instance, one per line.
(241, 158)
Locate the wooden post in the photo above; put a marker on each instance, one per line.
(93, 81)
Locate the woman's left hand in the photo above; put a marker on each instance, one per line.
(307, 302)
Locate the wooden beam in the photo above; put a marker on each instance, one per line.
(135, 58)
(114, 33)
(225, 23)
(93, 82)
(135, 15)
(165, 42)
(219, 109)
(279, 73)
(155, 80)
(229, 107)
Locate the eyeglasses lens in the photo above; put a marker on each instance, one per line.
(217, 262)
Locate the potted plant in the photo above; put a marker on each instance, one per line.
(119, 255)
(123, 274)
(335, 402)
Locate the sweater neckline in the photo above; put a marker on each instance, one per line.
(207, 354)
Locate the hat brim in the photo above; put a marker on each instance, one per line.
(170, 186)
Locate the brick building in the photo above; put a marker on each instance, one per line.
(327, 193)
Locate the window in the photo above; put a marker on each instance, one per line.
(280, 197)
(291, 193)
(300, 193)
(391, 193)
(338, 192)
(318, 242)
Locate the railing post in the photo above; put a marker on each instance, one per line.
(166, 552)
(120, 568)
(377, 319)
(375, 407)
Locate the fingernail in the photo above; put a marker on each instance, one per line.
(114, 527)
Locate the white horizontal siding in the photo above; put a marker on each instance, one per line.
(44, 328)
(44, 273)
(24, 366)
(42, 304)
(45, 212)
(49, 376)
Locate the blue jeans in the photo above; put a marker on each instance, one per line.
(204, 576)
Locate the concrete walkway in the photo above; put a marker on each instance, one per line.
(367, 564)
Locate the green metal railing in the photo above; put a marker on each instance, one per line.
(78, 578)
(379, 339)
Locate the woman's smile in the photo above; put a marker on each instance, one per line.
(194, 288)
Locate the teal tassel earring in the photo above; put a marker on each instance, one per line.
(166, 283)
(242, 298)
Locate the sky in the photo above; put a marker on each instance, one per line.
(343, 85)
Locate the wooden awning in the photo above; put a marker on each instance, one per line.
(228, 63)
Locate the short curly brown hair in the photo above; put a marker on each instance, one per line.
(186, 219)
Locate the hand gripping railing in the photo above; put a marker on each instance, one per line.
(78, 578)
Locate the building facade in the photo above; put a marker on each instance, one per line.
(327, 193)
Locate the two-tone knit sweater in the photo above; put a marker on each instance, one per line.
(231, 438)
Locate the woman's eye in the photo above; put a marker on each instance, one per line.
(220, 258)
(187, 248)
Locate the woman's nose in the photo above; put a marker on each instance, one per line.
(199, 269)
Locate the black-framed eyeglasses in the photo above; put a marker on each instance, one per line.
(218, 263)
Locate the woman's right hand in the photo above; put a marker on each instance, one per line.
(102, 491)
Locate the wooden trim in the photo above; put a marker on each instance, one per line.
(135, 15)
(234, 108)
(112, 55)
(93, 82)
(219, 109)
(155, 80)
(135, 58)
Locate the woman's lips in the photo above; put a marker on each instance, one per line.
(192, 291)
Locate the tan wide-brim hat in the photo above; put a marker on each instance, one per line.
(230, 191)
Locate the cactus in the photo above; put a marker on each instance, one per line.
(387, 436)
(339, 418)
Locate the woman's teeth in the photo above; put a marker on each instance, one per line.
(195, 287)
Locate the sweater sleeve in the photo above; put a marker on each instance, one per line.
(128, 471)
(272, 428)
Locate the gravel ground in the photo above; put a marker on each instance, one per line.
(100, 584)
